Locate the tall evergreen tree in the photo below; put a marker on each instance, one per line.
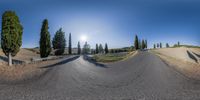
(59, 42)
(45, 42)
(139, 44)
(70, 44)
(160, 45)
(11, 35)
(97, 49)
(154, 46)
(106, 48)
(143, 44)
(178, 43)
(86, 48)
(167, 45)
(79, 48)
(101, 49)
(136, 44)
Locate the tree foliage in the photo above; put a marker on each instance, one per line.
(101, 48)
(167, 45)
(143, 44)
(45, 42)
(70, 44)
(154, 46)
(136, 44)
(59, 42)
(79, 48)
(106, 48)
(11, 34)
(86, 48)
(97, 49)
(160, 45)
(178, 43)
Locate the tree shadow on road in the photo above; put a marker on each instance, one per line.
(90, 60)
(62, 62)
(192, 56)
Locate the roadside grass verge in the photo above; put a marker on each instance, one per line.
(112, 57)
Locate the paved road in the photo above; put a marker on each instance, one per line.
(143, 77)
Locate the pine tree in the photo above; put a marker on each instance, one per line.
(136, 44)
(70, 44)
(154, 46)
(160, 45)
(59, 42)
(97, 49)
(45, 43)
(79, 48)
(106, 48)
(11, 35)
(100, 48)
(143, 44)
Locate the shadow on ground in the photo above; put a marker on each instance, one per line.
(192, 56)
(62, 62)
(90, 60)
(196, 54)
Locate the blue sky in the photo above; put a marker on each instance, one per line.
(110, 21)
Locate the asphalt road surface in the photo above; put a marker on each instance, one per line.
(142, 77)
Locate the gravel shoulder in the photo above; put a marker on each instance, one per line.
(24, 72)
(178, 59)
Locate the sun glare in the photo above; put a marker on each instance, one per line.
(83, 38)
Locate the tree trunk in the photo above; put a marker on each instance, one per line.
(9, 59)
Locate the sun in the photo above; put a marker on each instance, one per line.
(83, 38)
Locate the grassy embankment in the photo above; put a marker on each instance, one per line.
(113, 57)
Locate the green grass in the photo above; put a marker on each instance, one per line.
(111, 57)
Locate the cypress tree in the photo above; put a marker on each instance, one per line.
(70, 44)
(11, 35)
(97, 49)
(143, 44)
(139, 44)
(178, 43)
(154, 46)
(167, 45)
(79, 48)
(160, 45)
(45, 43)
(100, 48)
(136, 44)
(59, 42)
(86, 48)
(106, 48)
